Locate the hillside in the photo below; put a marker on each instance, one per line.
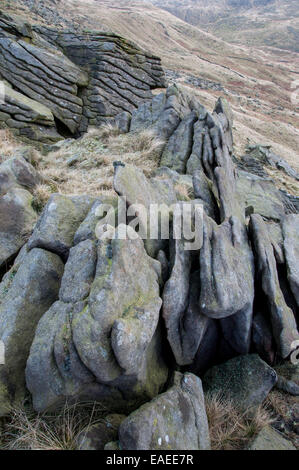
(272, 23)
(258, 84)
(149, 281)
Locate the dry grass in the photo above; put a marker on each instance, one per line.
(281, 406)
(230, 428)
(86, 165)
(27, 430)
(8, 144)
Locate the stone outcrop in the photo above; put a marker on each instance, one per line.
(27, 117)
(110, 314)
(100, 341)
(26, 293)
(174, 420)
(270, 439)
(64, 81)
(17, 214)
(246, 380)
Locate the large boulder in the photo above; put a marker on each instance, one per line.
(59, 222)
(104, 334)
(245, 380)
(46, 76)
(18, 219)
(175, 420)
(81, 79)
(17, 173)
(26, 293)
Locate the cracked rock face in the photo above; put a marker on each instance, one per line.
(17, 214)
(290, 229)
(97, 77)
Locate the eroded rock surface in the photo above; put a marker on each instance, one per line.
(26, 293)
(100, 340)
(175, 420)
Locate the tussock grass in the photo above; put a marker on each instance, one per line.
(231, 428)
(86, 165)
(8, 144)
(27, 430)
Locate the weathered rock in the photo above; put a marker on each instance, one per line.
(164, 113)
(252, 189)
(103, 334)
(130, 182)
(287, 386)
(56, 228)
(175, 420)
(87, 229)
(246, 380)
(282, 318)
(121, 74)
(26, 293)
(178, 148)
(16, 172)
(262, 338)
(44, 75)
(270, 439)
(96, 437)
(28, 118)
(175, 298)
(82, 79)
(17, 219)
(227, 280)
(290, 227)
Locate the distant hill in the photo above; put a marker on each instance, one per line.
(252, 22)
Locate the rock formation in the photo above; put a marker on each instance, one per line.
(64, 81)
(113, 319)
